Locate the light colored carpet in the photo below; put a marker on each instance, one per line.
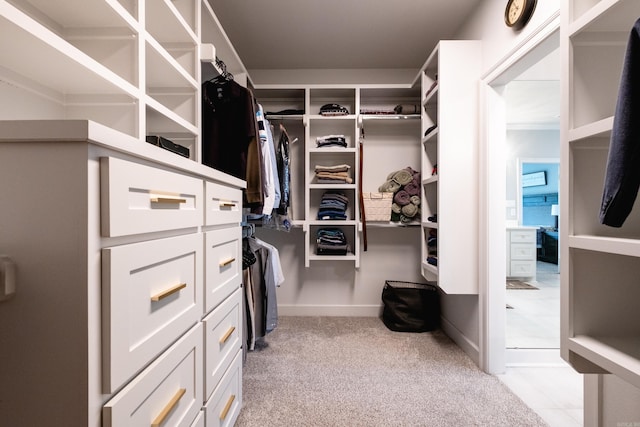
(346, 371)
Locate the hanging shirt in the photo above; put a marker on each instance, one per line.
(229, 134)
(270, 173)
(622, 178)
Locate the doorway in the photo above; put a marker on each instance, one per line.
(534, 374)
(510, 84)
(533, 309)
(532, 105)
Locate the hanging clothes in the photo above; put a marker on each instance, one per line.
(284, 171)
(230, 135)
(260, 280)
(277, 168)
(622, 178)
(270, 179)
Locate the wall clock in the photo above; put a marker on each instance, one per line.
(518, 12)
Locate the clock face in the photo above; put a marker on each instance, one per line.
(518, 12)
(514, 11)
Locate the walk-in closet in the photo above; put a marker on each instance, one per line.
(206, 206)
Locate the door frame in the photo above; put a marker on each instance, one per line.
(492, 227)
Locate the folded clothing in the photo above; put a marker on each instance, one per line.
(328, 214)
(407, 109)
(333, 206)
(286, 112)
(410, 210)
(412, 188)
(335, 168)
(338, 174)
(377, 110)
(402, 177)
(332, 251)
(327, 178)
(402, 198)
(333, 110)
(331, 141)
(331, 241)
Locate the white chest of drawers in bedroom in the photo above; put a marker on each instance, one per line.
(128, 307)
(521, 252)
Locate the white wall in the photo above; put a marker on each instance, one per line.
(336, 287)
(498, 40)
(498, 44)
(330, 76)
(26, 105)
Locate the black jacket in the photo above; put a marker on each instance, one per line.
(622, 178)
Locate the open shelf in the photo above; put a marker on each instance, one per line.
(617, 355)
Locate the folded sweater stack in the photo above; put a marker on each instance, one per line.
(333, 206)
(331, 141)
(331, 241)
(338, 174)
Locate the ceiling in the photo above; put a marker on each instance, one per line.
(325, 34)
(533, 98)
(383, 34)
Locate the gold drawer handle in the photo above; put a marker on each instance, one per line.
(168, 200)
(226, 408)
(227, 205)
(168, 408)
(227, 262)
(226, 336)
(170, 291)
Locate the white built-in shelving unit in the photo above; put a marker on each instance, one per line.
(397, 134)
(601, 324)
(127, 306)
(131, 68)
(317, 126)
(449, 82)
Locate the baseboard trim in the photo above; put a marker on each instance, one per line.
(330, 310)
(468, 346)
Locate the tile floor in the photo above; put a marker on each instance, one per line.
(534, 319)
(554, 392)
(535, 371)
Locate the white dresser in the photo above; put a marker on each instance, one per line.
(521, 252)
(128, 303)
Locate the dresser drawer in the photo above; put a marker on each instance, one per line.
(141, 199)
(152, 293)
(523, 269)
(223, 408)
(222, 339)
(523, 236)
(223, 204)
(168, 392)
(223, 258)
(523, 251)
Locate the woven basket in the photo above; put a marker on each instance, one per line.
(377, 206)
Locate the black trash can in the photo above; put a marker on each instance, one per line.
(410, 307)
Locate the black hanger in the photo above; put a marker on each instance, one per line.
(224, 76)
